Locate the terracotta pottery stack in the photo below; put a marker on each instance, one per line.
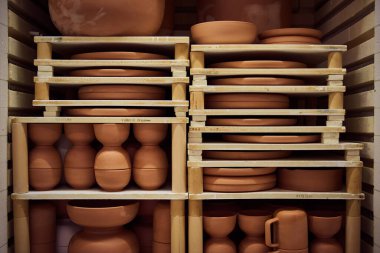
(79, 160)
(45, 164)
(291, 36)
(218, 224)
(102, 223)
(162, 228)
(324, 226)
(144, 225)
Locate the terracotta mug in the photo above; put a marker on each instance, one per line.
(291, 231)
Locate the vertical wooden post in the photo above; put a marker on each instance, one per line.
(20, 157)
(195, 226)
(195, 180)
(182, 51)
(179, 158)
(177, 211)
(21, 226)
(197, 59)
(41, 91)
(44, 50)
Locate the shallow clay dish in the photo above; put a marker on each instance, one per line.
(121, 92)
(265, 81)
(251, 122)
(246, 101)
(271, 138)
(224, 32)
(117, 73)
(238, 172)
(258, 64)
(118, 56)
(314, 180)
(115, 112)
(219, 223)
(291, 40)
(324, 224)
(254, 180)
(246, 155)
(238, 187)
(291, 32)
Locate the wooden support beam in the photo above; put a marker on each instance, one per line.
(20, 157)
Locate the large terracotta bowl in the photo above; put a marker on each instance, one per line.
(324, 224)
(102, 214)
(224, 32)
(107, 17)
(252, 221)
(219, 224)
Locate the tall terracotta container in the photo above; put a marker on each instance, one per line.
(162, 227)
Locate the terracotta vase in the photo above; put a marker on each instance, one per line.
(42, 227)
(107, 17)
(324, 224)
(65, 231)
(103, 226)
(286, 223)
(79, 160)
(252, 222)
(253, 245)
(218, 245)
(162, 223)
(112, 162)
(326, 246)
(45, 164)
(219, 223)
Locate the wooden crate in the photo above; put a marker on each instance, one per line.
(331, 77)
(47, 64)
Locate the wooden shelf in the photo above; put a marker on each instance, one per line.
(267, 129)
(269, 112)
(91, 120)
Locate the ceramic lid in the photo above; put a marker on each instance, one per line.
(256, 81)
(291, 39)
(238, 187)
(291, 32)
(248, 97)
(258, 64)
(118, 55)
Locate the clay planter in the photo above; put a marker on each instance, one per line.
(326, 246)
(118, 55)
(314, 180)
(162, 223)
(252, 222)
(116, 73)
(238, 172)
(246, 155)
(323, 224)
(291, 32)
(251, 122)
(150, 134)
(260, 64)
(266, 14)
(42, 225)
(264, 81)
(243, 138)
(253, 245)
(44, 134)
(224, 32)
(246, 101)
(115, 112)
(218, 245)
(107, 17)
(219, 224)
(121, 92)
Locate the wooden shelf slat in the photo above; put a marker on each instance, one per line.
(267, 129)
(270, 112)
(81, 103)
(92, 120)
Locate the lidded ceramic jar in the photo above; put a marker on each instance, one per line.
(45, 164)
(112, 162)
(161, 227)
(79, 160)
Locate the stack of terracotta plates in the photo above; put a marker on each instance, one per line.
(291, 36)
(118, 92)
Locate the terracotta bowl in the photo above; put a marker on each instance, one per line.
(291, 32)
(252, 222)
(246, 101)
(314, 180)
(261, 64)
(112, 134)
(324, 224)
(115, 112)
(291, 40)
(245, 138)
(326, 246)
(112, 158)
(81, 179)
(264, 81)
(107, 17)
(253, 245)
(218, 245)
(246, 155)
(113, 180)
(238, 172)
(150, 134)
(79, 134)
(150, 179)
(251, 122)
(219, 224)
(118, 55)
(108, 72)
(44, 134)
(121, 92)
(238, 187)
(80, 157)
(159, 247)
(102, 214)
(45, 157)
(217, 180)
(224, 32)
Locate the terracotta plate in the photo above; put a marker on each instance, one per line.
(256, 81)
(217, 180)
(238, 172)
(271, 138)
(246, 155)
(258, 64)
(250, 122)
(238, 188)
(117, 73)
(115, 112)
(121, 92)
(291, 40)
(291, 32)
(247, 101)
(118, 56)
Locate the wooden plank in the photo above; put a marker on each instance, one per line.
(270, 112)
(20, 28)
(266, 129)
(360, 101)
(19, 100)
(363, 125)
(20, 51)
(147, 103)
(20, 76)
(360, 77)
(360, 53)
(91, 120)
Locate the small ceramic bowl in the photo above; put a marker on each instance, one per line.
(219, 224)
(224, 32)
(324, 224)
(112, 134)
(79, 134)
(44, 179)
(253, 244)
(218, 245)
(252, 222)
(113, 180)
(81, 179)
(44, 134)
(150, 134)
(150, 179)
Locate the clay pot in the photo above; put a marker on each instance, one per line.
(252, 222)
(324, 224)
(291, 32)
(253, 245)
(251, 122)
(246, 101)
(44, 134)
(168, 22)
(162, 223)
(79, 134)
(224, 32)
(326, 246)
(150, 167)
(238, 172)
(219, 224)
(265, 14)
(115, 112)
(244, 138)
(65, 231)
(246, 155)
(264, 81)
(261, 64)
(310, 179)
(146, 210)
(107, 18)
(42, 223)
(285, 224)
(113, 180)
(112, 135)
(121, 92)
(159, 247)
(150, 134)
(217, 245)
(116, 73)
(118, 55)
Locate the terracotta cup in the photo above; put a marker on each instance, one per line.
(324, 224)
(252, 222)
(219, 223)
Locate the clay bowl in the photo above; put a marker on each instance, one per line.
(246, 155)
(150, 179)
(83, 178)
(79, 134)
(252, 222)
(150, 134)
(324, 224)
(260, 64)
(118, 55)
(253, 245)
(159, 247)
(238, 187)
(115, 112)
(326, 246)
(251, 122)
(243, 138)
(102, 214)
(219, 224)
(121, 92)
(246, 101)
(112, 158)
(313, 180)
(112, 134)
(107, 17)
(238, 172)
(224, 32)
(291, 32)
(218, 245)
(167, 26)
(117, 73)
(44, 134)
(113, 180)
(45, 157)
(262, 81)
(291, 40)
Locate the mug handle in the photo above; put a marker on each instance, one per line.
(268, 233)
